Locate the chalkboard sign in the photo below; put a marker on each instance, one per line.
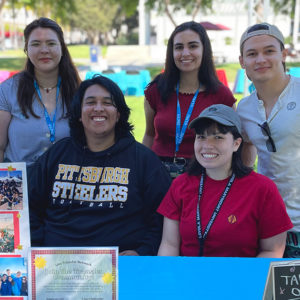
(283, 282)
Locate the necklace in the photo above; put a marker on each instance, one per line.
(47, 89)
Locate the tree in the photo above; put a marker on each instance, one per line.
(128, 7)
(284, 6)
(55, 9)
(287, 7)
(95, 17)
(191, 7)
(168, 7)
(2, 2)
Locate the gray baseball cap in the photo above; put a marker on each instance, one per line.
(260, 29)
(220, 113)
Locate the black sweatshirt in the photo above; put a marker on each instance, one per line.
(109, 198)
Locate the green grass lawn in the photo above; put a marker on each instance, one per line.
(137, 116)
(13, 53)
(230, 70)
(79, 51)
(12, 63)
(83, 51)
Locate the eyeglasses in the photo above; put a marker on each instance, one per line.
(265, 129)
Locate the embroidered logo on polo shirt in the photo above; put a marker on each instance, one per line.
(291, 105)
(232, 219)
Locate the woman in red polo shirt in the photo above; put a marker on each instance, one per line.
(220, 207)
(188, 85)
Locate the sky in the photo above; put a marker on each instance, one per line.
(13, 263)
(10, 173)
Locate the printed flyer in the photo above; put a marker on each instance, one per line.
(73, 273)
(14, 231)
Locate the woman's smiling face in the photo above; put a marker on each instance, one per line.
(214, 150)
(187, 51)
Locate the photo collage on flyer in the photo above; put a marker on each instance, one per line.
(14, 231)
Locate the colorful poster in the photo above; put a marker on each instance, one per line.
(14, 231)
(14, 278)
(14, 216)
(73, 273)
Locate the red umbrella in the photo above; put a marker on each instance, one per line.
(212, 26)
(223, 27)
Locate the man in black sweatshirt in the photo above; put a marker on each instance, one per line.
(98, 187)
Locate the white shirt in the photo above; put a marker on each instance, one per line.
(282, 166)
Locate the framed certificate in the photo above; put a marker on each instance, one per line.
(73, 273)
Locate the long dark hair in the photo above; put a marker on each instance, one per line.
(123, 126)
(70, 79)
(171, 75)
(238, 167)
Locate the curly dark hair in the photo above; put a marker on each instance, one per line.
(207, 73)
(123, 126)
(70, 79)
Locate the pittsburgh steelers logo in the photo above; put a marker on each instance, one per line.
(232, 219)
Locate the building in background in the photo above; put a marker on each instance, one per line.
(234, 14)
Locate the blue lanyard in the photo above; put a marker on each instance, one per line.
(180, 132)
(50, 124)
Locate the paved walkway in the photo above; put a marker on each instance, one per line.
(127, 56)
(136, 55)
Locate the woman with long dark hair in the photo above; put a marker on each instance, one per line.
(34, 103)
(188, 85)
(220, 207)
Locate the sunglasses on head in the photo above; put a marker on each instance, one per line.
(265, 129)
